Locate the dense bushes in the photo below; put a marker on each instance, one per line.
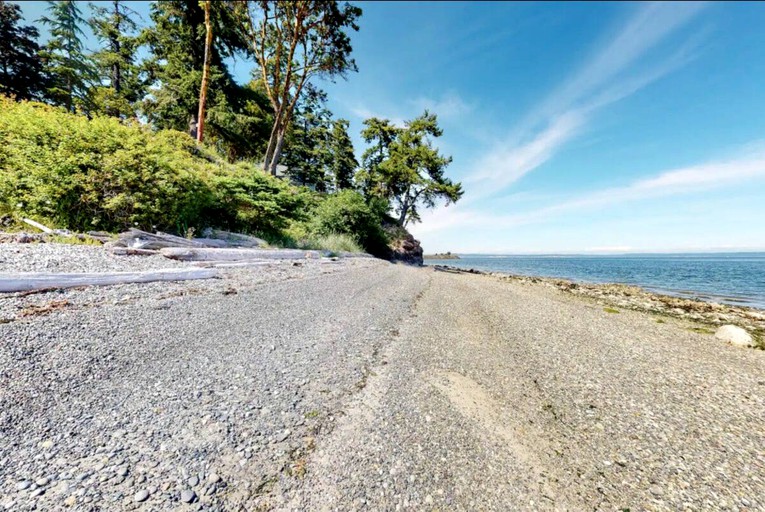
(100, 174)
(86, 174)
(348, 213)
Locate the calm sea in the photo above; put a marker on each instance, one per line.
(733, 278)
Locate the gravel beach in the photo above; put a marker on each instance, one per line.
(362, 385)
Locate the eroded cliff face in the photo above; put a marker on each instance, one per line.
(407, 250)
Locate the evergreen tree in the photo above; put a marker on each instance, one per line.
(122, 86)
(403, 166)
(20, 64)
(236, 117)
(307, 152)
(343, 163)
(70, 73)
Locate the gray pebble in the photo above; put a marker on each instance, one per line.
(37, 492)
(214, 478)
(193, 481)
(141, 496)
(23, 485)
(188, 496)
(122, 471)
(41, 482)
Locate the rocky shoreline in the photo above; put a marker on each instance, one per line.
(709, 314)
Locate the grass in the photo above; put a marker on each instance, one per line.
(611, 310)
(661, 321)
(73, 240)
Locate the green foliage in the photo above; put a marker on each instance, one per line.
(307, 154)
(101, 174)
(122, 85)
(20, 65)
(347, 212)
(343, 164)
(403, 167)
(238, 118)
(245, 201)
(70, 72)
(296, 42)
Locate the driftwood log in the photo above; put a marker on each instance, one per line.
(26, 281)
(137, 239)
(207, 254)
(234, 239)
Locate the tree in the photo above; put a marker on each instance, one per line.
(205, 70)
(20, 65)
(122, 85)
(69, 71)
(294, 41)
(406, 169)
(380, 133)
(307, 152)
(237, 118)
(343, 163)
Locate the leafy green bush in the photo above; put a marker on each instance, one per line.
(83, 174)
(247, 201)
(346, 212)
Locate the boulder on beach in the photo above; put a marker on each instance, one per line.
(734, 335)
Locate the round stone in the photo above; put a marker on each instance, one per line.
(193, 481)
(42, 481)
(141, 496)
(23, 485)
(214, 478)
(122, 471)
(188, 496)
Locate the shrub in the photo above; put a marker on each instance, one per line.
(83, 174)
(346, 212)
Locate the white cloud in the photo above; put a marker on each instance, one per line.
(449, 105)
(365, 113)
(669, 183)
(600, 82)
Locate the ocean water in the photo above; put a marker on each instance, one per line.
(733, 278)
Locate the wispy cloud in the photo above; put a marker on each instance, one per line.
(607, 77)
(747, 167)
(364, 113)
(449, 105)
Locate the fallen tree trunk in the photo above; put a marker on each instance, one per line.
(193, 254)
(25, 281)
(234, 239)
(137, 239)
(41, 227)
(129, 251)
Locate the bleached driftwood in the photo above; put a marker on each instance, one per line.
(25, 281)
(234, 239)
(233, 264)
(44, 229)
(194, 254)
(137, 239)
(129, 251)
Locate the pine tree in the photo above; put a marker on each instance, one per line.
(122, 85)
(343, 164)
(20, 64)
(236, 116)
(307, 152)
(69, 71)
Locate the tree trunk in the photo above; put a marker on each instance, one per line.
(116, 79)
(278, 150)
(205, 73)
(271, 143)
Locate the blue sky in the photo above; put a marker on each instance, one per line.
(574, 127)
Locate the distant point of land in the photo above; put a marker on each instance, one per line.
(442, 256)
